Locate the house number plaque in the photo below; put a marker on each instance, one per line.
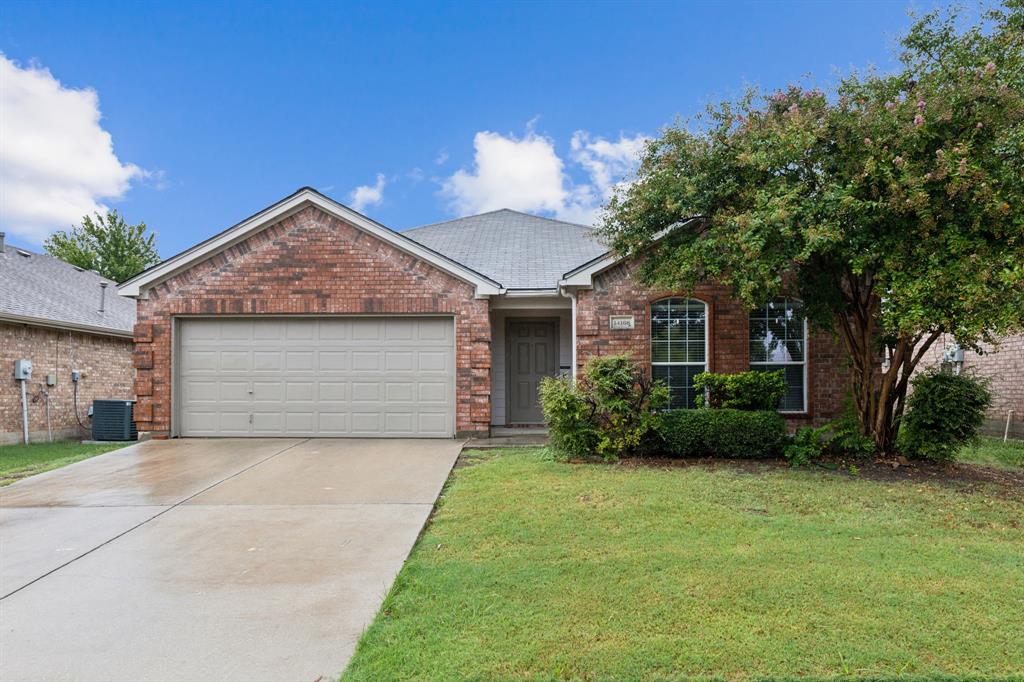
(620, 322)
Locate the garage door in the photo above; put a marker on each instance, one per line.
(330, 376)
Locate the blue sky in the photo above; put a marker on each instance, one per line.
(215, 110)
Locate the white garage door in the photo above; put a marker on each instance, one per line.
(328, 376)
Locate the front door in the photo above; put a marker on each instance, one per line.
(532, 355)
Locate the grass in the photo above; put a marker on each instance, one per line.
(994, 452)
(19, 461)
(534, 569)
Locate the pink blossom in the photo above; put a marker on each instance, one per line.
(920, 104)
(980, 125)
(867, 140)
(793, 108)
(890, 105)
(898, 160)
(990, 67)
(918, 120)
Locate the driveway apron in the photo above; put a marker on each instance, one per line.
(227, 559)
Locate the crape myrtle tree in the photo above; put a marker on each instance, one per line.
(893, 205)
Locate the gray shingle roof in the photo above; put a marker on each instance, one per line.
(43, 287)
(518, 250)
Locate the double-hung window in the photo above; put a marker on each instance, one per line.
(679, 346)
(778, 341)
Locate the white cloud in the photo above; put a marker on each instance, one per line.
(523, 174)
(442, 157)
(527, 174)
(57, 163)
(368, 195)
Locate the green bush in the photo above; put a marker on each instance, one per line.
(843, 436)
(806, 446)
(723, 433)
(569, 417)
(944, 411)
(610, 411)
(740, 391)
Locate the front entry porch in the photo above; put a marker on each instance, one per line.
(531, 338)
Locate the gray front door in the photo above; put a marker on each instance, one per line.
(533, 355)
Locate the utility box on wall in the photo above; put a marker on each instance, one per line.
(22, 370)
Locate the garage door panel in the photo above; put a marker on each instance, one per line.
(236, 330)
(233, 391)
(231, 423)
(333, 391)
(332, 423)
(433, 423)
(334, 361)
(366, 423)
(235, 361)
(434, 361)
(317, 376)
(199, 361)
(300, 391)
(366, 361)
(367, 330)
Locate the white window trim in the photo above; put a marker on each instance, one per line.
(650, 338)
(802, 363)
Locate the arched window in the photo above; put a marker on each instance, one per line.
(778, 340)
(679, 346)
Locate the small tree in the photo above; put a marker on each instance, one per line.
(894, 206)
(108, 245)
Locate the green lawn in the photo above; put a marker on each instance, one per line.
(994, 452)
(533, 569)
(19, 461)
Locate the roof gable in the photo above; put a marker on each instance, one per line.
(304, 197)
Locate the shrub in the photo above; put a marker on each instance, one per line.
(944, 411)
(610, 410)
(723, 433)
(844, 438)
(569, 417)
(741, 391)
(805, 446)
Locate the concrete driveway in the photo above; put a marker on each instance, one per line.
(209, 559)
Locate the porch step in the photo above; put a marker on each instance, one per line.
(509, 438)
(506, 431)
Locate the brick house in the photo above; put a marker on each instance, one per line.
(61, 318)
(311, 319)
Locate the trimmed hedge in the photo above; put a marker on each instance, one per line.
(723, 433)
(752, 390)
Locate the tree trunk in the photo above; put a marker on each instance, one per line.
(880, 392)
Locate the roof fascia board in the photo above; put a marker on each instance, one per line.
(583, 276)
(186, 259)
(68, 326)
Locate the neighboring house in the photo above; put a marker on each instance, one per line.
(309, 319)
(1002, 366)
(61, 318)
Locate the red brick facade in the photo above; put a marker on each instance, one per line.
(105, 362)
(312, 263)
(616, 293)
